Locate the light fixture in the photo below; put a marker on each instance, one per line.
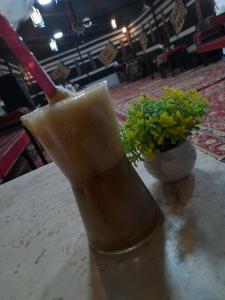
(44, 2)
(146, 6)
(86, 22)
(113, 24)
(53, 45)
(124, 30)
(58, 35)
(27, 76)
(36, 18)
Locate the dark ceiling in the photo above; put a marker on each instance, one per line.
(67, 14)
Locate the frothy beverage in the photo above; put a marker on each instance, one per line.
(81, 135)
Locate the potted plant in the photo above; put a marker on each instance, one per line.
(157, 132)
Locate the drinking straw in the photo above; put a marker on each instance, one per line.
(26, 58)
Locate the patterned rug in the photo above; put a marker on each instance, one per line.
(209, 80)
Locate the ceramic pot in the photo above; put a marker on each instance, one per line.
(174, 164)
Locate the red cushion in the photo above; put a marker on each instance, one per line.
(11, 147)
(198, 38)
(13, 117)
(162, 58)
(121, 118)
(176, 49)
(214, 45)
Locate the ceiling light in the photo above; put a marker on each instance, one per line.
(36, 18)
(124, 30)
(146, 6)
(44, 2)
(113, 24)
(58, 35)
(53, 45)
(87, 22)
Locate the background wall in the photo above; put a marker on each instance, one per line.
(78, 59)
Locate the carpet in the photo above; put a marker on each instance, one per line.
(210, 81)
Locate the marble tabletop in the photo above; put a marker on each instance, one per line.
(44, 253)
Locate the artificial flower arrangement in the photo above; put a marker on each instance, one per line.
(157, 125)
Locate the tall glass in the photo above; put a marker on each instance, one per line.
(81, 135)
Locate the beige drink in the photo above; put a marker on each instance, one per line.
(82, 136)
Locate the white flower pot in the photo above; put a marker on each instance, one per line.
(174, 164)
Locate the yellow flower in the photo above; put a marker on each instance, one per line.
(178, 94)
(130, 135)
(181, 131)
(173, 93)
(178, 115)
(188, 121)
(161, 140)
(193, 94)
(154, 133)
(166, 120)
(137, 144)
(149, 154)
(150, 121)
(139, 114)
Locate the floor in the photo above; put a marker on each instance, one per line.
(209, 80)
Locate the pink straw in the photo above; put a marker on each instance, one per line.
(27, 59)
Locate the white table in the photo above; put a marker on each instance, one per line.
(44, 252)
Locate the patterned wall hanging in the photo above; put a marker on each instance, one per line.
(60, 72)
(92, 61)
(78, 68)
(143, 39)
(108, 54)
(152, 32)
(178, 15)
(198, 9)
(165, 25)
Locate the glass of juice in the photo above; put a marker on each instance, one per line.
(81, 135)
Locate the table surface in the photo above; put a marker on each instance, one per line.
(44, 252)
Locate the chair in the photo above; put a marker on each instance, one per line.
(167, 58)
(210, 36)
(134, 70)
(14, 141)
(14, 93)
